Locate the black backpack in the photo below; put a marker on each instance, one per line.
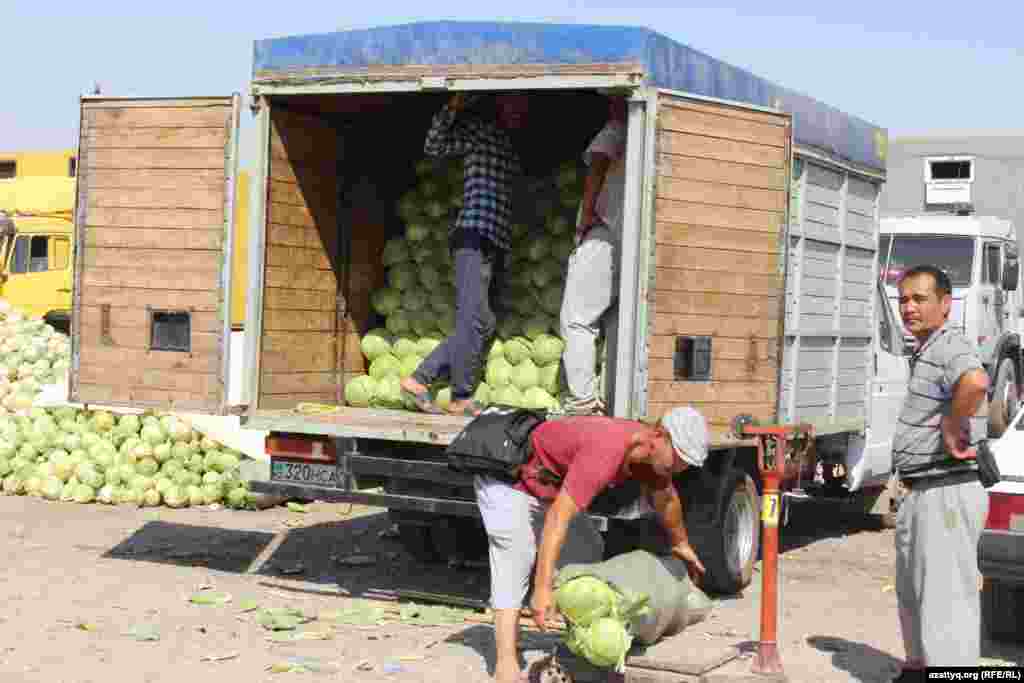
(496, 443)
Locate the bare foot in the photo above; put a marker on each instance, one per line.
(509, 675)
(412, 386)
(419, 394)
(464, 408)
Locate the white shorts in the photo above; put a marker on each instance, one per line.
(515, 521)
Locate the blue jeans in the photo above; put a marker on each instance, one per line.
(460, 356)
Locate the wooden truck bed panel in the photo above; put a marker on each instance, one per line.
(300, 348)
(152, 203)
(720, 204)
(369, 423)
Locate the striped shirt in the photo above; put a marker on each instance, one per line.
(918, 449)
(490, 170)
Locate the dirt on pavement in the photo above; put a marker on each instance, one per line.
(92, 593)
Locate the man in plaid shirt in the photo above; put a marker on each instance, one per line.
(481, 235)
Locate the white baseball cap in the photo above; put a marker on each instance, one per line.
(689, 434)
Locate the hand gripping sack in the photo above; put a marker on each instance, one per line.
(496, 443)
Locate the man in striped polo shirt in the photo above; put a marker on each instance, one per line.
(942, 515)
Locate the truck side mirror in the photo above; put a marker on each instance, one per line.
(1011, 275)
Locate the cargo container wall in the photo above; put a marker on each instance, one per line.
(833, 235)
(300, 346)
(714, 303)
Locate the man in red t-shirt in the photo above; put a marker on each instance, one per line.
(585, 455)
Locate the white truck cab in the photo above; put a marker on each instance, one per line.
(980, 256)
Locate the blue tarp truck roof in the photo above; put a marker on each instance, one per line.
(665, 64)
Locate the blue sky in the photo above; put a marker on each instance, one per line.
(910, 66)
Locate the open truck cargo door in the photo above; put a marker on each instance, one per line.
(154, 226)
(711, 305)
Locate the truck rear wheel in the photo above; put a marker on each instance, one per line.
(729, 541)
(1005, 398)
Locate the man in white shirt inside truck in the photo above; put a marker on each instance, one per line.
(591, 278)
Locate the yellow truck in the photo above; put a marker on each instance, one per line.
(37, 242)
(36, 246)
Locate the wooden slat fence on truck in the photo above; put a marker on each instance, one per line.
(720, 204)
(152, 200)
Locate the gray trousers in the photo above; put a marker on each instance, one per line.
(514, 521)
(590, 286)
(460, 356)
(937, 575)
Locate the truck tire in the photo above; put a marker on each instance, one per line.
(728, 541)
(1005, 398)
(1001, 605)
(418, 541)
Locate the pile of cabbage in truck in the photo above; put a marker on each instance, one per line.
(418, 305)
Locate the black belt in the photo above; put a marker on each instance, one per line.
(931, 481)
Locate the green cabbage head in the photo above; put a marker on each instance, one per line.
(605, 643)
(375, 343)
(525, 375)
(426, 345)
(549, 378)
(507, 395)
(482, 395)
(386, 301)
(407, 366)
(389, 392)
(84, 493)
(359, 391)
(405, 346)
(547, 349)
(384, 366)
(536, 398)
(395, 251)
(517, 350)
(498, 373)
(398, 322)
(586, 598)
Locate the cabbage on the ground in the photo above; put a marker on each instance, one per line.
(85, 456)
(32, 355)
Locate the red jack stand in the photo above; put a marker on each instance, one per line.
(772, 444)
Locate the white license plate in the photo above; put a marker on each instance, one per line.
(313, 473)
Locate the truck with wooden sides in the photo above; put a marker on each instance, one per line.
(748, 282)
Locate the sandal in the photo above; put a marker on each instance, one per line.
(470, 409)
(423, 401)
